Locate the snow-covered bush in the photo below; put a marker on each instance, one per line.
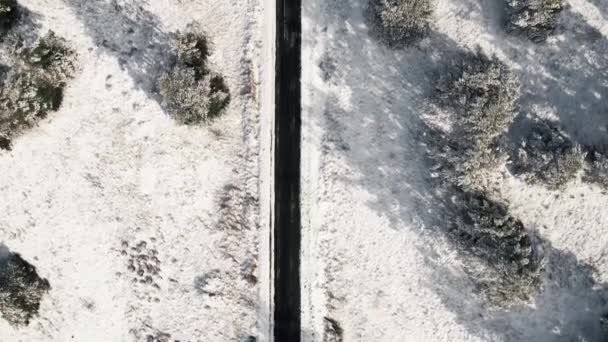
(546, 155)
(596, 168)
(191, 92)
(536, 19)
(53, 57)
(21, 289)
(481, 93)
(8, 15)
(193, 50)
(401, 22)
(485, 229)
(478, 94)
(33, 86)
(190, 100)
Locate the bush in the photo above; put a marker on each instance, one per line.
(596, 168)
(32, 89)
(479, 96)
(21, 289)
(52, 57)
(535, 19)
(546, 155)
(191, 92)
(451, 164)
(485, 229)
(193, 51)
(401, 22)
(9, 13)
(482, 93)
(190, 100)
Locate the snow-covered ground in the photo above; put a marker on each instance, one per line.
(371, 260)
(111, 181)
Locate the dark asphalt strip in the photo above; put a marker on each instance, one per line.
(287, 234)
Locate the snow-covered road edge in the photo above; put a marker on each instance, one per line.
(312, 266)
(266, 94)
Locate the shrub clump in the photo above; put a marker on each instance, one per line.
(21, 289)
(191, 92)
(479, 95)
(546, 155)
(52, 57)
(401, 22)
(535, 19)
(486, 230)
(596, 168)
(9, 14)
(34, 86)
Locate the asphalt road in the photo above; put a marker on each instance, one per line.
(287, 227)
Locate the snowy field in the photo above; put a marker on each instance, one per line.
(373, 263)
(146, 230)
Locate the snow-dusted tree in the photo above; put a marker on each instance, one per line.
(536, 19)
(545, 154)
(21, 289)
(191, 92)
(478, 95)
(191, 100)
(8, 15)
(401, 22)
(596, 168)
(193, 50)
(510, 265)
(52, 57)
(34, 85)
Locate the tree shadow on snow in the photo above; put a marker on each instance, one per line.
(568, 76)
(130, 33)
(601, 6)
(571, 305)
(370, 105)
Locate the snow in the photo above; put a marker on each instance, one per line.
(110, 177)
(110, 181)
(371, 259)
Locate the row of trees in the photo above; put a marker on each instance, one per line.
(477, 96)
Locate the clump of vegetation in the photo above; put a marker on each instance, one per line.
(596, 168)
(34, 86)
(479, 95)
(482, 94)
(21, 289)
(52, 57)
(476, 98)
(9, 14)
(546, 155)
(535, 19)
(486, 230)
(193, 50)
(191, 92)
(332, 331)
(401, 22)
